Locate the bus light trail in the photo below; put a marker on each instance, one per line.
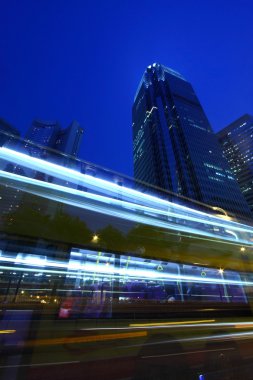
(103, 270)
(129, 211)
(101, 185)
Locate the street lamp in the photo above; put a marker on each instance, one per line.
(95, 238)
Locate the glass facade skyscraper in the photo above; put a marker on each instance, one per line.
(237, 143)
(174, 145)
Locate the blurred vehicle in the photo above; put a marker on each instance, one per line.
(102, 277)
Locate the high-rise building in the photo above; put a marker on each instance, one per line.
(43, 133)
(50, 135)
(237, 144)
(69, 139)
(174, 145)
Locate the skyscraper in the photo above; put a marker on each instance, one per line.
(68, 140)
(174, 145)
(237, 143)
(43, 133)
(50, 135)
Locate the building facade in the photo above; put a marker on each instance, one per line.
(174, 145)
(237, 144)
(68, 140)
(50, 135)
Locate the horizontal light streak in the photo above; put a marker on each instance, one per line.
(100, 270)
(86, 339)
(7, 331)
(245, 325)
(105, 205)
(171, 323)
(219, 337)
(187, 353)
(85, 179)
(175, 325)
(119, 203)
(204, 338)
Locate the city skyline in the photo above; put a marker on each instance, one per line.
(126, 240)
(84, 63)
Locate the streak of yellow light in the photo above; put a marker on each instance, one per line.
(171, 323)
(244, 326)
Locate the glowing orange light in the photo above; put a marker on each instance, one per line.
(87, 339)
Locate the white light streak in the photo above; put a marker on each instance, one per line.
(154, 210)
(100, 270)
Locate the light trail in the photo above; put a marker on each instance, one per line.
(78, 178)
(102, 270)
(112, 202)
(199, 323)
(205, 338)
(175, 325)
(187, 353)
(110, 206)
(86, 339)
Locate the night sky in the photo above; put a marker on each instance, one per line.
(83, 60)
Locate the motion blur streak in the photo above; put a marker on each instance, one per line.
(171, 323)
(105, 204)
(101, 270)
(215, 337)
(244, 325)
(187, 353)
(7, 331)
(174, 325)
(99, 184)
(86, 339)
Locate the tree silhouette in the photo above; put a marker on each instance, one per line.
(112, 239)
(60, 226)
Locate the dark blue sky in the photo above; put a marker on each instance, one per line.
(83, 60)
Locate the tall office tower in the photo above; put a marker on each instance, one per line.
(69, 139)
(174, 145)
(237, 143)
(43, 133)
(50, 135)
